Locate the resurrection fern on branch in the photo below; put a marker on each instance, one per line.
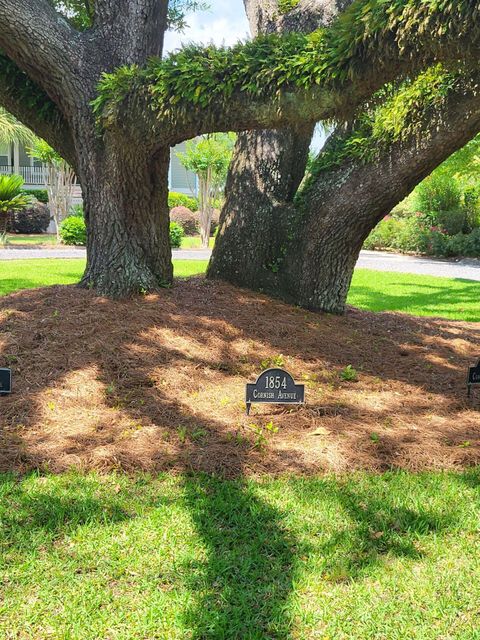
(285, 6)
(369, 32)
(401, 111)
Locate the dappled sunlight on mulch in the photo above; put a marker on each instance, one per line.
(158, 383)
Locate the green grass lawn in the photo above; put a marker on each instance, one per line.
(373, 290)
(416, 295)
(20, 238)
(195, 242)
(393, 556)
(28, 274)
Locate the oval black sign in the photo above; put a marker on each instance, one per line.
(275, 386)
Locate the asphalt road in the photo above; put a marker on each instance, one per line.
(467, 269)
(376, 260)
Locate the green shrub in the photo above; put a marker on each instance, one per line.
(463, 245)
(76, 211)
(436, 193)
(452, 221)
(188, 220)
(413, 236)
(471, 202)
(73, 231)
(40, 194)
(382, 237)
(181, 200)
(176, 235)
(405, 234)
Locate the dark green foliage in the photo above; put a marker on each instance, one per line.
(34, 219)
(176, 235)
(24, 89)
(182, 200)
(39, 194)
(399, 113)
(438, 192)
(467, 245)
(414, 235)
(405, 235)
(453, 221)
(73, 231)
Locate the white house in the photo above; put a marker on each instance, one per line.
(15, 159)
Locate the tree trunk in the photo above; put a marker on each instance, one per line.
(126, 210)
(307, 254)
(322, 237)
(267, 168)
(266, 171)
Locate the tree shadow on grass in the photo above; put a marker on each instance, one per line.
(246, 579)
(374, 523)
(239, 588)
(31, 518)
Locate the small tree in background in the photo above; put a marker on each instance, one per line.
(209, 158)
(11, 199)
(60, 181)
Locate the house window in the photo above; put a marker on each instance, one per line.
(5, 160)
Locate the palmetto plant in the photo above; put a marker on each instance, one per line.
(11, 130)
(11, 199)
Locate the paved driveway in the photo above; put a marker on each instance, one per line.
(18, 253)
(381, 261)
(377, 260)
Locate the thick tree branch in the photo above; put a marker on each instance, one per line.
(264, 16)
(199, 91)
(28, 103)
(41, 43)
(306, 253)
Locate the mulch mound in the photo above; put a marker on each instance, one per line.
(158, 383)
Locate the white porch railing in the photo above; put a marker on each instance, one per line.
(5, 170)
(31, 175)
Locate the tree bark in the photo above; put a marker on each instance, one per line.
(127, 216)
(267, 168)
(124, 179)
(266, 171)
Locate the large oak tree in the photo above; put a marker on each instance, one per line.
(301, 241)
(51, 67)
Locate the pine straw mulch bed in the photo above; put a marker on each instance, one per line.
(158, 383)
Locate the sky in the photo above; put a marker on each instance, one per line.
(224, 23)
